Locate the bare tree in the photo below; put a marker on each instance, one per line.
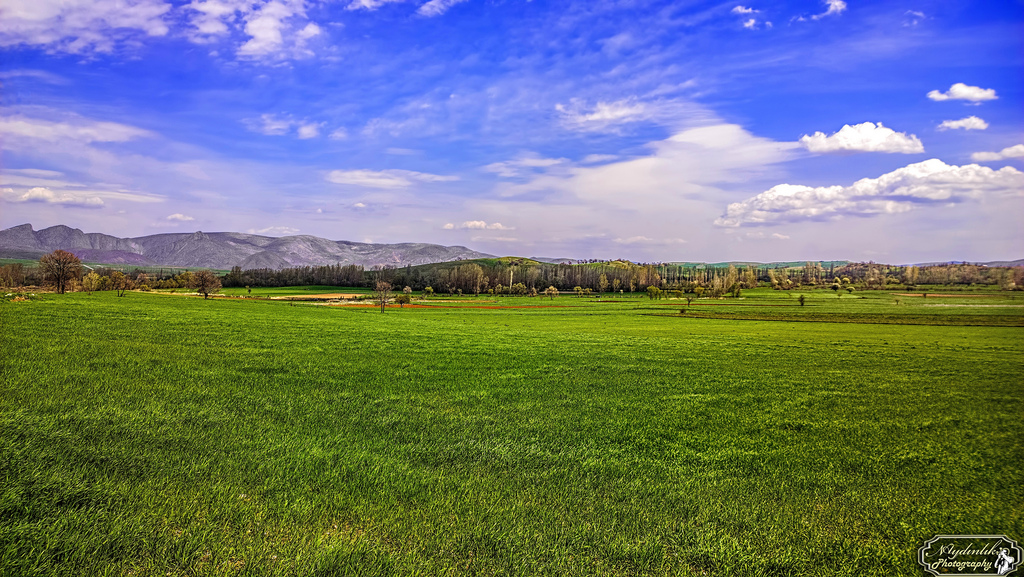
(205, 282)
(61, 267)
(381, 291)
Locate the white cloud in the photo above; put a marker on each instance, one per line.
(478, 225)
(961, 91)
(751, 24)
(45, 195)
(80, 26)
(522, 166)
(579, 116)
(74, 128)
(264, 28)
(275, 29)
(913, 18)
(178, 217)
(743, 10)
(369, 4)
(643, 240)
(307, 131)
(283, 230)
(1016, 151)
(761, 235)
(925, 183)
(969, 123)
(338, 134)
(386, 179)
(835, 7)
(864, 137)
(279, 125)
(437, 7)
(599, 158)
(270, 124)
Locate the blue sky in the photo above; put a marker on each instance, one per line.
(655, 131)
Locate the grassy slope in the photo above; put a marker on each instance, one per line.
(155, 434)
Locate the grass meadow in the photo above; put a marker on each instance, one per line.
(161, 434)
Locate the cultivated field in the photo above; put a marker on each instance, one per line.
(161, 434)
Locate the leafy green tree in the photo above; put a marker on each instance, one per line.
(551, 292)
(403, 299)
(428, 292)
(653, 292)
(91, 282)
(802, 299)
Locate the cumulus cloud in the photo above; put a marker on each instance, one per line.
(437, 7)
(864, 137)
(925, 183)
(385, 179)
(577, 115)
(178, 217)
(275, 29)
(80, 26)
(961, 91)
(969, 123)
(1016, 151)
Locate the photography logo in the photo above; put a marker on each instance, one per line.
(970, 555)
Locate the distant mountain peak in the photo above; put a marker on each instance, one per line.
(221, 250)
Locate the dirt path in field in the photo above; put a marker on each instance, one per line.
(942, 295)
(361, 305)
(318, 297)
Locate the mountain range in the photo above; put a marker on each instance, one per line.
(220, 250)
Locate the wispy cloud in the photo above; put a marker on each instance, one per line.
(524, 165)
(178, 217)
(437, 7)
(274, 230)
(600, 116)
(282, 124)
(478, 225)
(385, 179)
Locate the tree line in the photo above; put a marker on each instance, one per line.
(515, 276)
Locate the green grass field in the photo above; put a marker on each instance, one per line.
(162, 434)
